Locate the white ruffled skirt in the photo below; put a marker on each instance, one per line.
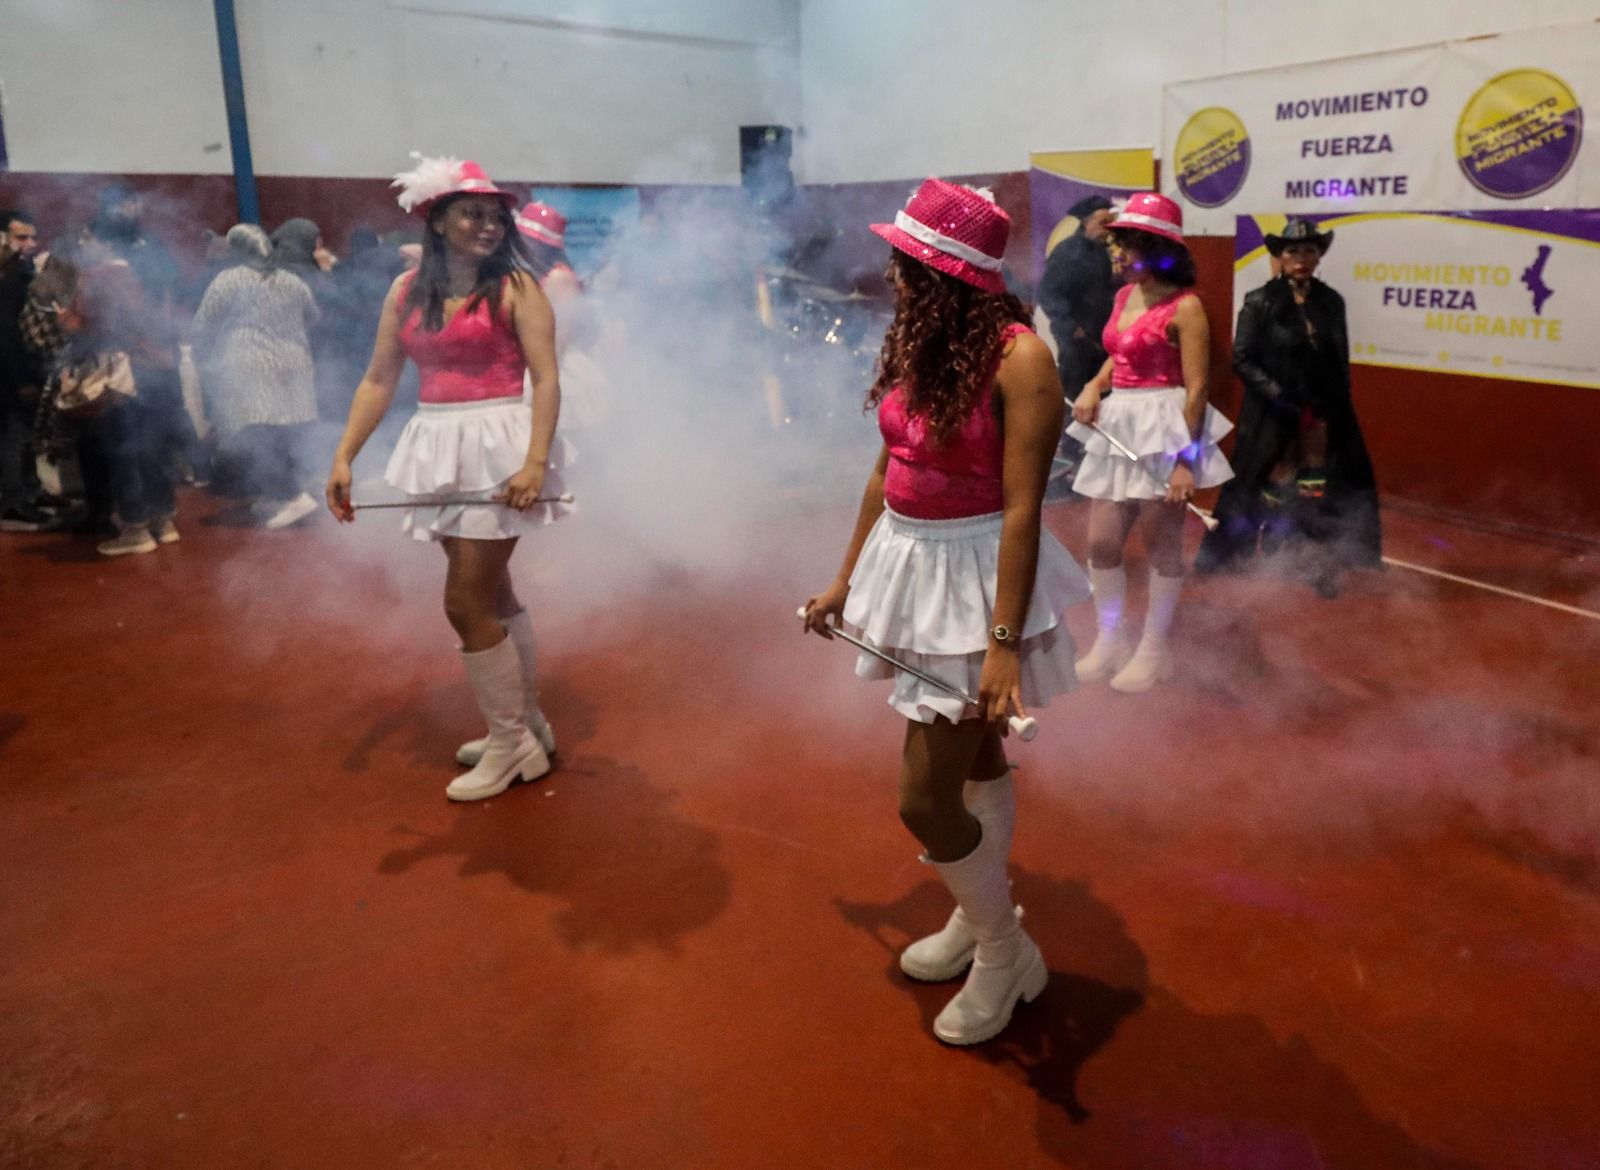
(471, 450)
(923, 591)
(1150, 423)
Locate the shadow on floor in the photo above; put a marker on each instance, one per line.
(629, 870)
(414, 720)
(11, 722)
(1171, 1087)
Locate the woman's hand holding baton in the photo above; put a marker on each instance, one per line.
(1026, 726)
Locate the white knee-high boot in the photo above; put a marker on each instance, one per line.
(1006, 963)
(519, 626)
(511, 752)
(1152, 661)
(947, 953)
(1110, 650)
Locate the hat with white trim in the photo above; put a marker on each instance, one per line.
(960, 231)
(1153, 213)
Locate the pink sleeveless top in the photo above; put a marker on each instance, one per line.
(958, 478)
(476, 357)
(1142, 357)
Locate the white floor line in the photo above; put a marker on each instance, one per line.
(1544, 601)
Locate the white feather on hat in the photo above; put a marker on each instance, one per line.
(432, 178)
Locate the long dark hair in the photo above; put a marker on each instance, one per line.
(941, 344)
(1165, 259)
(432, 284)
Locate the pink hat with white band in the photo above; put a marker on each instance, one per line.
(958, 230)
(540, 221)
(1153, 213)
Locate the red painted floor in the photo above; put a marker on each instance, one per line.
(1331, 900)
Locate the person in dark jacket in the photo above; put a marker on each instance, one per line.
(1075, 292)
(20, 490)
(110, 314)
(169, 431)
(351, 301)
(1301, 465)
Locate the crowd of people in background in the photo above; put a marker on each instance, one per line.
(224, 378)
(241, 374)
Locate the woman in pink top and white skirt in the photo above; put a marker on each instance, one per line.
(1159, 344)
(950, 572)
(473, 320)
(583, 384)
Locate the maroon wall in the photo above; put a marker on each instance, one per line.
(179, 208)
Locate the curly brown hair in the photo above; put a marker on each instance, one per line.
(941, 345)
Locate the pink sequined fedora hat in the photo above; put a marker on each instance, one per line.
(958, 230)
(540, 221)
(1153, 213)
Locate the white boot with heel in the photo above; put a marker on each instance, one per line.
(510, 753)
(519, 627)
(947, 953)
(1152, 661)
(1111, 650)
(1007, 967)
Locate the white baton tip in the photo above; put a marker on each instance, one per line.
(801, 613)
(1026, 729)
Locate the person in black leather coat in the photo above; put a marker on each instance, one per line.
(1303, 475)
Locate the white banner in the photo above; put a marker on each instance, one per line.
(1490, 123)
(1510, 295)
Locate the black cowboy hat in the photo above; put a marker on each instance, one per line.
(1300, 231)
(1088, 205)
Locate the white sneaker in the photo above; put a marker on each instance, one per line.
(165, 530)
(130, 540)
(295, 510)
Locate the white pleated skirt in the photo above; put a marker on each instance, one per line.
(471, 450)
(923, 591)
(1150, 423)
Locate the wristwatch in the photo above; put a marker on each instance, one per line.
(1005, 635)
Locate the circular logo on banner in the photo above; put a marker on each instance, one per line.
(1519, 134)
(1212, 156)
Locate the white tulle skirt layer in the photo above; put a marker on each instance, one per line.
(470, 451)
(1150, 423)
(924, 591)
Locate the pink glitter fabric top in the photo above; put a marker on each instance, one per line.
(958, 478)
(1141, 354)
(476, 357)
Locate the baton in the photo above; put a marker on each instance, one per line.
(1206, 518)
(451, 501)
(1026, 728)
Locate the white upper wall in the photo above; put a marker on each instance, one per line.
(113, 87)
(654, 90)
(555, 90)
(894, 89)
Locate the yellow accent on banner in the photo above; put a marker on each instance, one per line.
(1131, 168)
